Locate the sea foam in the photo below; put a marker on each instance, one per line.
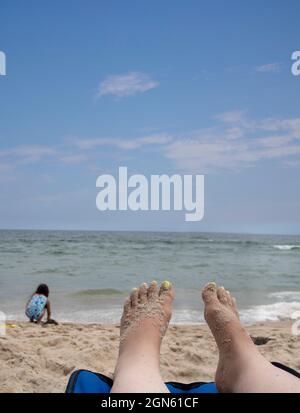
(286, 247)
(270, 312)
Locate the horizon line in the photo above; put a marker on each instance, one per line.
(150, 231)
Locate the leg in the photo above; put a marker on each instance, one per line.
(241, 367)
(144, 322)
(41, 317)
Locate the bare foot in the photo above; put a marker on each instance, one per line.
(145, 319)
(241, 367)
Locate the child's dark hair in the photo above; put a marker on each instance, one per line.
(43, 289)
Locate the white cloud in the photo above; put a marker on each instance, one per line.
(273, 124)
(275, 141)
(126, 84)
(269, 67)
(73, 151)
(236, 142)
(159, 139)
(87, 144)
(76, 158)
(28, 153)
(125, 144)
(234, 116)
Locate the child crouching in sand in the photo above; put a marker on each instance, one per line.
(38, 305)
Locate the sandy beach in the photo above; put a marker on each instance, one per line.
(41, 358)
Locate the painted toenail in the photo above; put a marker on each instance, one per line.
(166, 285)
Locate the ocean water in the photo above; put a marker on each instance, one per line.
(91, 273)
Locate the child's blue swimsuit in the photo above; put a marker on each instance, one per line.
(36, 306)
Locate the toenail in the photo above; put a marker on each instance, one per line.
(212, 285)
(166, 285)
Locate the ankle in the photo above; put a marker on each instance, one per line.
(140, 349)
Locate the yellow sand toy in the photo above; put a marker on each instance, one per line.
(8, 325)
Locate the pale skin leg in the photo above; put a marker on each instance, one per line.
(145, 319)
(241, 367)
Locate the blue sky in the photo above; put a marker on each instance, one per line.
(160, 87)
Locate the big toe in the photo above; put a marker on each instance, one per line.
(209, 293)
(166, 290)
(166, 296)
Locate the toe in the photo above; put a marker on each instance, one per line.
(166, 290)
(166, 297)
(229, 298)
(222, 295)
(152, 291)
(164, 287)
(143, 290)
(134, 297)
(234, 302)
(127, 305)
(209, 293)
(234, 306)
